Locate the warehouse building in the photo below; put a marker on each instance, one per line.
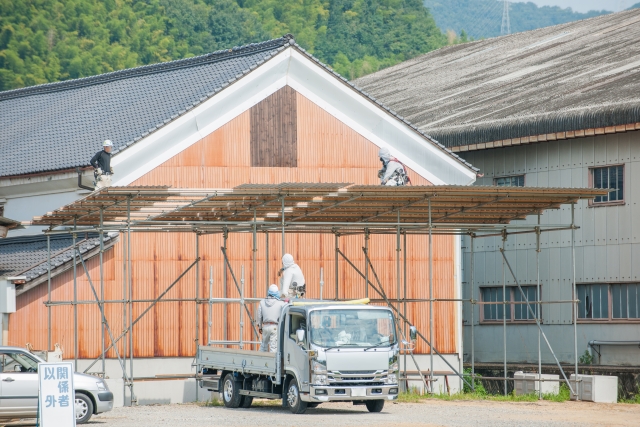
(554, 107)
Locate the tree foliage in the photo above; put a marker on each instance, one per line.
(50, 40)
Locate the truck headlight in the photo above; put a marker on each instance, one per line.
(392, 374)
(101, 386)
(319, 367)
(319, 372)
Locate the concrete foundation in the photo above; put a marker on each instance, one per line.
(150, 383)
(423, 361)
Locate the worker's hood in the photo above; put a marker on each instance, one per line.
(384, 154)
(270, 302)
(287, 260)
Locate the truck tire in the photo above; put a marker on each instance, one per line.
(296, 405)
(374, 405)
(231, 392)
(246, 401)
(84, 408)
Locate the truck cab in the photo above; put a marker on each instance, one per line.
(326, 353)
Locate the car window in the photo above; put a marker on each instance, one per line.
(16, 363)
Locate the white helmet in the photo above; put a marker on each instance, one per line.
(107, 143)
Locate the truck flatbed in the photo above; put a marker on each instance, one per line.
(244, 361)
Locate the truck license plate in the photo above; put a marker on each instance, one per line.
(359, 392)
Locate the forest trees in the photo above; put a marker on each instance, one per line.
(47, 40)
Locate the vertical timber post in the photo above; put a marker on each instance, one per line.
(336, 266)
(284, 248)
(575, 294)
(197, 305)
(49, 292)
(124, 314)
(504, 312)
(431, 337)
(266, 257)
(404, 298)
(366, 264)
(101, 303)
(130, 286)
(225, 319)
(398, 255)
(254, 269)
(209, 323)
(75, 301)
(241, 307)
(472, 306)
(539, 313)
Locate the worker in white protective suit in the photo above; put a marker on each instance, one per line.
(269, 312)
(292, 282)
(393, 172)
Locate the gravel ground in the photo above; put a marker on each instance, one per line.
(426, 413)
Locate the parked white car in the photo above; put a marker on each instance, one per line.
(19, 388)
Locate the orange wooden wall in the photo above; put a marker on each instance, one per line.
(328, 151)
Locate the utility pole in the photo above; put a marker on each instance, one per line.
(506, 24)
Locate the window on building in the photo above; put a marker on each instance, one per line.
(594, 301)
(509, 181)
(514, 312)
(609, 177)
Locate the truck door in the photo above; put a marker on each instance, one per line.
(296, 359)
(19, 379)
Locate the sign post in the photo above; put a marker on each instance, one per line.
(56, 396)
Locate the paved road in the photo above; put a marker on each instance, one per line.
(427, 413)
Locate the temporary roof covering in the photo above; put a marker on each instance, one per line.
(323, 207)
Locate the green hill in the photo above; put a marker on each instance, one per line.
(49, 40)
(483, 18)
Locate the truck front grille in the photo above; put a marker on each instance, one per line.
(357, 377)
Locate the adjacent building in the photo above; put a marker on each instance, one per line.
(554, 107)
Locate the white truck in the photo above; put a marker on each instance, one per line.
(326, 353)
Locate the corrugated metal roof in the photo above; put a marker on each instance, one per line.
(580, 75)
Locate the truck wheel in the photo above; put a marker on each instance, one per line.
(375, 405)
(246, 401)
(84, 408)
(296, 405)
(231, 392)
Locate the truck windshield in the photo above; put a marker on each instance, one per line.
(352, 328)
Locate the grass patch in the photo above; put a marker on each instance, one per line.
(213, 402)
(413, 396)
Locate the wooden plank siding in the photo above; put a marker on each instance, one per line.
(273, 130)
(327, 151)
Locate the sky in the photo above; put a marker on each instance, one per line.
(586, 5)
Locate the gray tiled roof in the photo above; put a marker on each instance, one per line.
(62, 125)
(27, 255)
(579, 75)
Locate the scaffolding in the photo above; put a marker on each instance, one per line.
(341, 209)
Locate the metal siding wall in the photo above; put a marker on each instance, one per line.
(328, 151)
(607, 242)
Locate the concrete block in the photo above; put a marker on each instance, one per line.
(524, 385)
(596, 388)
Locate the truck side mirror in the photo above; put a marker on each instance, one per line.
(300, 336)
(413, 333)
